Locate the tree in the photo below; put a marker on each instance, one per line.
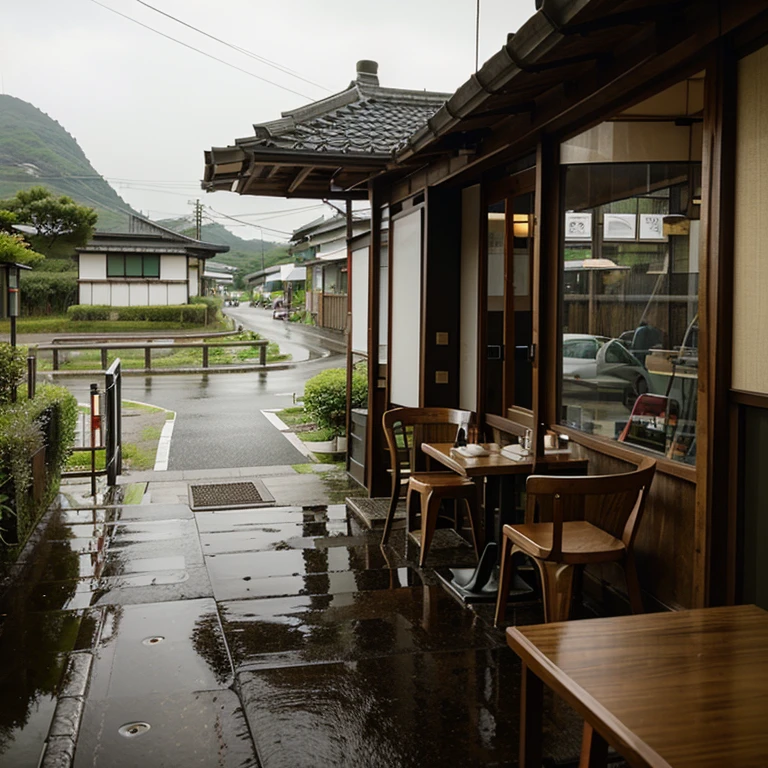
(52, 217)
(13, 248)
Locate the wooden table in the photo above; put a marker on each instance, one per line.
(481, 583)
(670, 690)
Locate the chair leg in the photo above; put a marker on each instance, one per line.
(633, 584)
(430, 506)
(472, 513)
(505, 578)
(391, 513)
(556, 588)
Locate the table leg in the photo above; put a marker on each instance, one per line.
(594, 749)
(531, 706)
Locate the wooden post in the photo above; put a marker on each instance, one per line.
(205, 355)
(147, 357)
(546, 290)
(55, 359)
(263, 354)
(104, 358)
(31, 376)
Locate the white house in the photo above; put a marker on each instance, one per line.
(147, 266)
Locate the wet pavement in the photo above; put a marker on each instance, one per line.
(273, 637)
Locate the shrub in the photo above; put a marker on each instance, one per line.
(44, 293)
(48, 421)
(13, 366)
(325, 396)
(193, 314)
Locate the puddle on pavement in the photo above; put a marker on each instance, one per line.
(267, 536)
(317, 584)
(212, 522)
(350, 626)
(454, 708)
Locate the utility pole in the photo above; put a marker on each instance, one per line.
(198, 217)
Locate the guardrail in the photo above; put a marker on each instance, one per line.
(56, 349)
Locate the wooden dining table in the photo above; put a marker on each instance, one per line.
(685, 689)
(481, 584)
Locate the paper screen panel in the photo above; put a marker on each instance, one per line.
(405, 341)
(750, 308)
(359, 291)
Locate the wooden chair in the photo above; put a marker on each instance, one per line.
(406, 429)
(574, 521)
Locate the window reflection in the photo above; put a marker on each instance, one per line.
(630, 303)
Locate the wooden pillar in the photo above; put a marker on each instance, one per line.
(713, 437)
(375, 468)
(546, 289)
(347, 332)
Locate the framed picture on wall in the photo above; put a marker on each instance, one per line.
(578, 226)
(652, 226)
(619, 226)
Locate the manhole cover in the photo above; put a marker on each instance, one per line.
(229, 496)
(129, 730)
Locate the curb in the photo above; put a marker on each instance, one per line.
(164, 445)
(271, 416)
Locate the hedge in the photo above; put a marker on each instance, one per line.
(46, 422)
(194, 314)
(44, 293)
(325, 396)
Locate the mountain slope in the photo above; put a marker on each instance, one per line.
(244, 254)
(36, 150)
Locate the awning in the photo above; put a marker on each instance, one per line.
(292, 273)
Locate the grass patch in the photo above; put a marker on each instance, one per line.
(62, 324)
(81, 461)
(294, 416)
(303, 469)
(316, 435)
(137, 457)
(134, 493)
(134, 406)
(151, 433)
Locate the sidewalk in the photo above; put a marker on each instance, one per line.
(277, 636)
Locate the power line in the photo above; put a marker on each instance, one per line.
(248, 223)
(197, 50)
(237, 48)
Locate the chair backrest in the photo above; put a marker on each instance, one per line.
(407, 428)
(612, 502)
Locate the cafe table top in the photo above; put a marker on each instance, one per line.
(679, 689)
(494, 463)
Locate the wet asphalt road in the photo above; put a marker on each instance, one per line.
(219, 423)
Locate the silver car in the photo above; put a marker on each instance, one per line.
(602, 364)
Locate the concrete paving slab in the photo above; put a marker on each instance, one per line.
(203, 728)
(350, 626)
(271, 536)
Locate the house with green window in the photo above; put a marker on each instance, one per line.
(148, 265)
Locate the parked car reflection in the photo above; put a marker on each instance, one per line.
(604, 365)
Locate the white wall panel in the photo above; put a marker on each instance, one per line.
(139, 294)
(158, 294)
(173, 267)
(359, 294)
(93, 266)
(101, 294)
(194, 283)
(85, 293)
(121, 295)
(177, 293)
(405, 341)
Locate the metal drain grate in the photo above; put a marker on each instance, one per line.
(230, 496)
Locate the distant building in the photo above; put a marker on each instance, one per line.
(147, 266)
(321, 245)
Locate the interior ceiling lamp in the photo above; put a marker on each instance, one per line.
(521, 224)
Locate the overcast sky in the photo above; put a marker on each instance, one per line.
(144, 108)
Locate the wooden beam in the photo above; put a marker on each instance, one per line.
(715, 332)
(299, 179)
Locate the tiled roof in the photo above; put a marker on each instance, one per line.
(363, 119)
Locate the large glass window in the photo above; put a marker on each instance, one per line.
(630, 303)
(133, 265)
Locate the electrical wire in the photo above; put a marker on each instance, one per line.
(248, 223)
(197, 50)
(237, 48)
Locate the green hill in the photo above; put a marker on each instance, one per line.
(36, 150)
(244, 254)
